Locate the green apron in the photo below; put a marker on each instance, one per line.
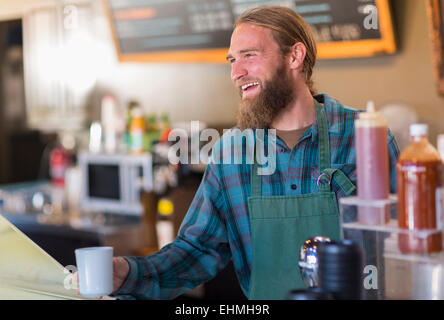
(281, 224)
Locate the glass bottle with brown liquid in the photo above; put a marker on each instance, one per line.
(418, 171)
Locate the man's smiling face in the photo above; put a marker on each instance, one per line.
(260, 73)
(254, 56)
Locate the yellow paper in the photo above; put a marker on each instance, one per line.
(27, 271)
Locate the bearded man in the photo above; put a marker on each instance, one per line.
(261, 221)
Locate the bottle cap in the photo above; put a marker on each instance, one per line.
(165, 207)
(418, 130)
(370, 112)
(371, 117)
(370, 106)
(137, 112)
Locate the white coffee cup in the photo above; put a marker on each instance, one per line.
(95, 271)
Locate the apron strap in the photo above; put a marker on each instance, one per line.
(328, 173)
(256, 181)
(324, 181)
(324, 140)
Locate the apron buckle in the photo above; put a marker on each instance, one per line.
(327, 176)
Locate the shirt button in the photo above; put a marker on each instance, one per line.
(294, 187)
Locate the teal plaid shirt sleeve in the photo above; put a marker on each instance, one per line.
(199, 252)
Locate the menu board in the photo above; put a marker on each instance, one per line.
(200, 30)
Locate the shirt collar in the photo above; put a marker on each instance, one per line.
(329, 105)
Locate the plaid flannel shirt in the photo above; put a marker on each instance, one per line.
(216, 227)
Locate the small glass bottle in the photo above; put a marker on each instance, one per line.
(419, 183)
(137, 130)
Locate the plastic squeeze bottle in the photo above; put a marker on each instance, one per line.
(419, 182)
(372, 164)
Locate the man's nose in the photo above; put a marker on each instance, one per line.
(237, 71)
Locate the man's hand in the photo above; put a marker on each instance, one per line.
(120, 272)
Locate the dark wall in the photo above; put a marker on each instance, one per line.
(21, 150)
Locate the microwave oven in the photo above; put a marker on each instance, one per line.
(112, 183)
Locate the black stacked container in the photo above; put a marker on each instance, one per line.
(340, 269)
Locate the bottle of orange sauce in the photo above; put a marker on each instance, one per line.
(419, 183)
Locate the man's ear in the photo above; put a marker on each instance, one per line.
(297, 55)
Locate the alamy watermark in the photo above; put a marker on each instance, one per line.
(69, 282)
(233, 147)
(70, 17)
(371, 278)
(371, 20)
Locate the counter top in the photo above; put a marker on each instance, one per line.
(91, 223)
(61, 235)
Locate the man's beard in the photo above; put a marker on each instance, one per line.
(275, 95)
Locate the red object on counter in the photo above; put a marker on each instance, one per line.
(58, 163)
(164, 135)
(372, 164)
